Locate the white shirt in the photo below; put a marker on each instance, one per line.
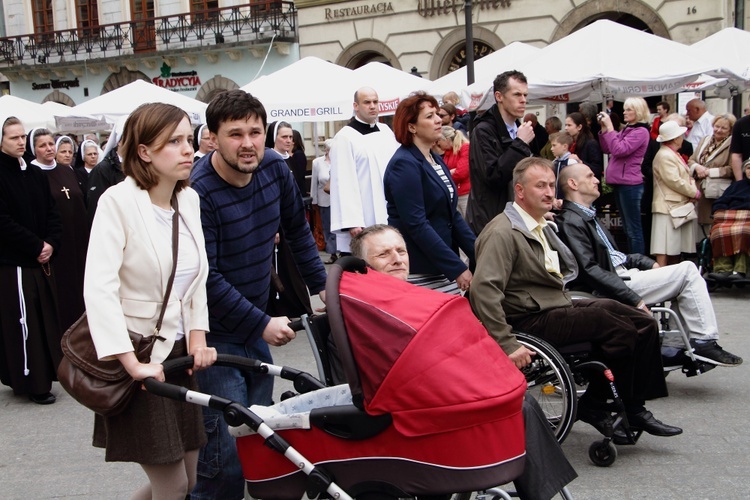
(702, 127)
(188, 259)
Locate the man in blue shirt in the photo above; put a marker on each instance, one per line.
(247, 193)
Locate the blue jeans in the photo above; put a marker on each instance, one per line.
(629, 203)
(219, 471)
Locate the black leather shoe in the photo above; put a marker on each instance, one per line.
(43, 399)
(645, 421)
(333, 259)
(720, 276)
(599, 419)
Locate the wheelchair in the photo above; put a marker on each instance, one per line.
(670, 325)
(549, 379)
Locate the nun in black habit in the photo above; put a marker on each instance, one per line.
(69, 261)
(30, 231)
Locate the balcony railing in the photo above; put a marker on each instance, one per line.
(253, 23)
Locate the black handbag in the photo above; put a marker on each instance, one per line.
(105, 386)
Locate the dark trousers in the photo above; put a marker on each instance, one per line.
(624, 338)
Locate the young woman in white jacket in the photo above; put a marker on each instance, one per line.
(128, 264)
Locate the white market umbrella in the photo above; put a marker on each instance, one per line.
(390, 83)
(32, 114)
(485, 69)
(124, 100)
(728, 51)
(309, 90)
(619, 62)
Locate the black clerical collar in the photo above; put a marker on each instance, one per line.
(362, 127)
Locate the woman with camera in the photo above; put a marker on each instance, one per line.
(626, 150)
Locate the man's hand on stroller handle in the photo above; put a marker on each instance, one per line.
(277, 331)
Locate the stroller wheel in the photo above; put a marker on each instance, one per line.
(603, 453)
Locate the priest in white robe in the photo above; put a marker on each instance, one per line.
(359, 155)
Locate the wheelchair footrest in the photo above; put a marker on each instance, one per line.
(693, 368)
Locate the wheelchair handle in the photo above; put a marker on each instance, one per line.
(297, 325)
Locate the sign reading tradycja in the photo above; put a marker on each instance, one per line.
(185, 81)
(425, 8)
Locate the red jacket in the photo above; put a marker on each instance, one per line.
(459, 165)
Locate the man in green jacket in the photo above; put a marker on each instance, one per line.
(522, 269)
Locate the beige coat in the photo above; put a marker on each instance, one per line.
(127, 269)
(719, 164)
(673, 185)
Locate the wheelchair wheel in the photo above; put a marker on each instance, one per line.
(551, 383)
(603, 453)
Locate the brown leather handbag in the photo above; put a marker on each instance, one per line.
(105, 386)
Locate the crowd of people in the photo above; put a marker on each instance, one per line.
(496, 207)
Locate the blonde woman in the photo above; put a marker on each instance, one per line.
(710, 163)
(456, 155)
(626, 150)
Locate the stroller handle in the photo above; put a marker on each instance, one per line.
(179, 393)
(232, 361)
(302, 381)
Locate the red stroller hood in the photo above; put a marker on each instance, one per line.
(423, 357)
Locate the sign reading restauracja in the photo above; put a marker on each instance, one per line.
(425, 8)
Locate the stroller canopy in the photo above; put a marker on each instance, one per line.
(423, 357)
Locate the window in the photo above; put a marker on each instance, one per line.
(42, 12)
(198, 9)
(88, 17)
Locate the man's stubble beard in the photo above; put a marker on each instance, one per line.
(236, 167)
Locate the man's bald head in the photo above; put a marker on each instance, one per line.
(695, 109)
(531, 117)
(579, 184)
(366, 104)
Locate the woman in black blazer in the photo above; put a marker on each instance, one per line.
(421, 199)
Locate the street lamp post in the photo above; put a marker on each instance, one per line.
(469, 44)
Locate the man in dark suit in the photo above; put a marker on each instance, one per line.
(498, 142)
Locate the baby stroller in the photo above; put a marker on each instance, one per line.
(425, 412)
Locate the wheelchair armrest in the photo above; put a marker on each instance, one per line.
(349, 422)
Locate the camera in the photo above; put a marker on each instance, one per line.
(600, 116)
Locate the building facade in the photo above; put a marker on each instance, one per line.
(69, 51)
(430, 35)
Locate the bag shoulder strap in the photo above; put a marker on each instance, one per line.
(170, 281)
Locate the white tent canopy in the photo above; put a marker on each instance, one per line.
(728, 51)
(31, 114)
(309, 90)
(485, 69)
(124, 100)
(619, 62)
(390, 83)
